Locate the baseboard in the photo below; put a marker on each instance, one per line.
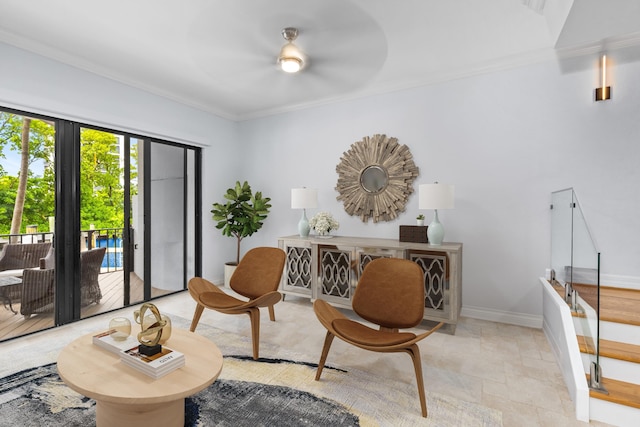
(589, 276)
(520, 319)
(623, 282)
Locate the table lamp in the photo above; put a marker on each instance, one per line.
(435, 196)
(303, 198)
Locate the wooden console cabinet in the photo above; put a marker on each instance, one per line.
(329, 269)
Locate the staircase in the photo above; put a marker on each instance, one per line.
(619, 353)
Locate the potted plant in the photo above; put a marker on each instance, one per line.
(420, 219)
(242, 215)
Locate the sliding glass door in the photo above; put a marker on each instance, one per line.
(27, 218)
(170, 198)
(137, 208)
(120, 211)
(103, 245)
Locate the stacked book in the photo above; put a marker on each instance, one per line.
(106, 341)
(155, 366)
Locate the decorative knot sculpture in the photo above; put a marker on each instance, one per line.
(149, 336)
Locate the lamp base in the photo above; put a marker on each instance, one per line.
(303, 225)
(435, 231)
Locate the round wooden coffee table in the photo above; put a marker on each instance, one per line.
(126, 397)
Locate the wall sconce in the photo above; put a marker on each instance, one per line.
(303, 198)
(603, 93)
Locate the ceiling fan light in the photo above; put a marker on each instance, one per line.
(290, 65)
(290, 58)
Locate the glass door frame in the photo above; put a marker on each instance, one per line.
(197, 222)
(67, 225)
(66, 165)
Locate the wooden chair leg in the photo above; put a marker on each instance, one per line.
(414, 352)
(196, 317)
(328, 339)
(272, 314)
(254, 315)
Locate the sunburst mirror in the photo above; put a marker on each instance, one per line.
(375, 178)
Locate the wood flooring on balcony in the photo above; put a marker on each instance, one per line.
(112, 288)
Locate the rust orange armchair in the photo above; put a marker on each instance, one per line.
(256, 277)
(390, 294)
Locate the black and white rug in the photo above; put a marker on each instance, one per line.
(38, 397)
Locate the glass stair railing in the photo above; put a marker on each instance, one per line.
(575, 261)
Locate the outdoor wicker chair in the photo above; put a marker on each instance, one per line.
(38, 290)
(90, 263)
(16, 256)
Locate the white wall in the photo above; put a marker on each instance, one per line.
(41, 85)
(506, 140)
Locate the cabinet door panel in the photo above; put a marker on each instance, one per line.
(299, 267)
(298, 270)
(335, 274)
(435, 266)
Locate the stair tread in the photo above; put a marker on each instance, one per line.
(611, 349)
(620, 392)
(616, 305)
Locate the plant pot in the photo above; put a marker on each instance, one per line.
(420, 222)
(229, 268)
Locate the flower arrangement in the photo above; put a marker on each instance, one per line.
(323, 223)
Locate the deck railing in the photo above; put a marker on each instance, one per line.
(110, 238)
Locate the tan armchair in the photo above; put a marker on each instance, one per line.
(390, 294)
(256, 277)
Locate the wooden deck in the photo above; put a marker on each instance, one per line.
(112, 287)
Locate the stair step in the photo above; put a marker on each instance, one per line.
(620, 392)
(616, 305)
(612, 349)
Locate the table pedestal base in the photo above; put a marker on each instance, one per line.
(124, 415)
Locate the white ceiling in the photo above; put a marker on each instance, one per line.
(219, 55)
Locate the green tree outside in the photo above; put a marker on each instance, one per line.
(101, 188)
(39, 195)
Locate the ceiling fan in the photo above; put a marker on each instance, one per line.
(291, 58)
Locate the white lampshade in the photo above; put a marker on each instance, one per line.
(436, 196)
(304, 198)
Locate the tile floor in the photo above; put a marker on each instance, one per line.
(506, 367)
